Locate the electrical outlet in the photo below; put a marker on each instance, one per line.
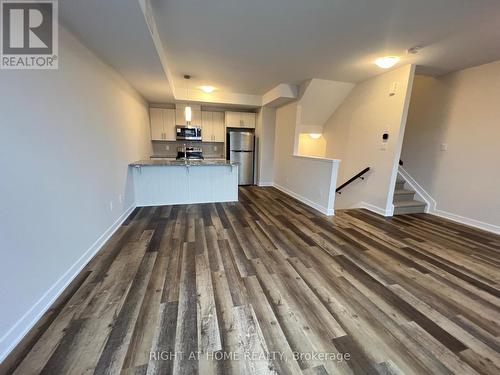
(167, 147)
(215, 148)
(444, 147)
(111, 205)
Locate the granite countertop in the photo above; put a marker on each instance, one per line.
(187, 163)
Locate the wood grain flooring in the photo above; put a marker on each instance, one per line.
(269, 286)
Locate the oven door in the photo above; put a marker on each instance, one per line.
(188, 133)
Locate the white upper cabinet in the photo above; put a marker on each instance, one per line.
(218, 126)
(156, 120)
(240, 120)
(248, 120)
(162, 124)
(212, 124)
(180, 119)
(206, 126)
(169, 124)
(233, 119)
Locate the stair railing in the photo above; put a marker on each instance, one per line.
(354, 178)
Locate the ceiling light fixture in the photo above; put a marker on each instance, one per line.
(315, 135)
(387, 62)
(188, 113)
(208, 89)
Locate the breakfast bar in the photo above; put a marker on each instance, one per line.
(165, 182)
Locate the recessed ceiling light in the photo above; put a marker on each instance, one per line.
(208, 89)
(387, 62)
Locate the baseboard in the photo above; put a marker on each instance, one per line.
(16, 333)
(265, 183)
(432, 207)
(304, 200)
(421, 192)
(372, 208)
(467, 221)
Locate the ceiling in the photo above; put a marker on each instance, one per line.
(117, 32)
(249, 47)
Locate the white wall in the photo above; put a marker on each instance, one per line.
(264, 132)
(66, 138)
(319, 99)
(354, 134)
(462, 111)
(310, 180)
(308, 146)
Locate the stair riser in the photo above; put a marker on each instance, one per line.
(400, 185)
(409, 210)
(403, 197)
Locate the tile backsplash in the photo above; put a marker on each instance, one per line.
(210, 149)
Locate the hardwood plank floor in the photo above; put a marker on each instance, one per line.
(268, 285)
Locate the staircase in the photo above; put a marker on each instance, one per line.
(404, 202)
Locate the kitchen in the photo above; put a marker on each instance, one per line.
(200, 155)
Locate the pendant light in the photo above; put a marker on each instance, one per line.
(188, 112)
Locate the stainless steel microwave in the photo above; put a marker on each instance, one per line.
(187, 133)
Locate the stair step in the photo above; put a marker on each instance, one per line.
(400, 184)
(412, 203)
(401, 195)
(403, 191)
(408, 207)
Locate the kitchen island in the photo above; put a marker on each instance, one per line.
(165, 182)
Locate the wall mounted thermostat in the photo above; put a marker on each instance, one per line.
(385, 139)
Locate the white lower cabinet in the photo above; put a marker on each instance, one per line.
(166, 185)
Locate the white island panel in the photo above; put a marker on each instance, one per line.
(157, 185)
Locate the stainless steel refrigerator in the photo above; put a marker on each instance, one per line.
(241, 150)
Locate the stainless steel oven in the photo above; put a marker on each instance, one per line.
(187, 133)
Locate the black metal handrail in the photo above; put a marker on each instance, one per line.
(359, 175)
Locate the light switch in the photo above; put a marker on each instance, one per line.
(444, 147)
